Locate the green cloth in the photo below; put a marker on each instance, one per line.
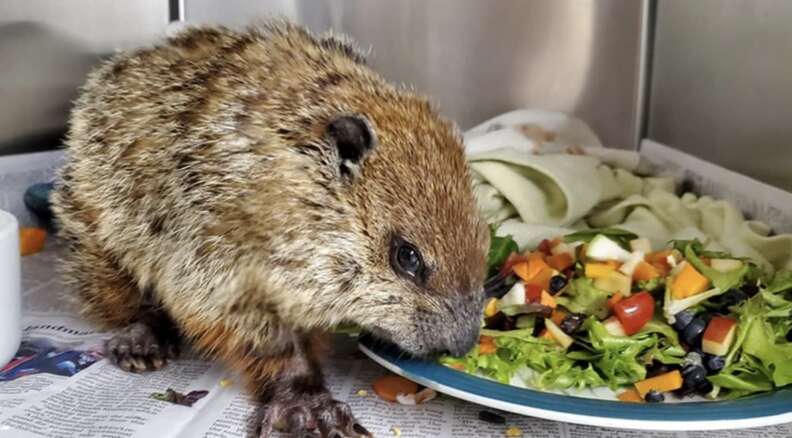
(533, 197)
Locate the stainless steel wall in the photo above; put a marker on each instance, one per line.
(47, 47)
(476, 58)
(722, 84)
(479, 58)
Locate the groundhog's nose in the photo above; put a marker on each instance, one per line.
(461, 347)
(464, 338)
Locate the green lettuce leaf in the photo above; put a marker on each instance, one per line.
(782, 281)
(518, 348)
(622, 237)
(583, 297)
(619, 362)
(500, 249)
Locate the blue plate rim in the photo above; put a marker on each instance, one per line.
(762, 410)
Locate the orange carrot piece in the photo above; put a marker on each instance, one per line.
(31, 240)
(612, 301)
(558, 316)
(388, 387)
(688, 282)
(630, 396)
(644, 271)
(561, 261)
(597, 270)
(669, 381)
(487, 345)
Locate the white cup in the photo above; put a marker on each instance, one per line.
(10, 288)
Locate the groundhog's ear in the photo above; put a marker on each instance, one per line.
(353, 137)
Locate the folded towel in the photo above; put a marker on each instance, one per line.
(540, 174)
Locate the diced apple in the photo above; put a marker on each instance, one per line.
(562, 338)
(719, 335)
(629, 266)
(597, 270)
(601, 249)
(563, 248)
(725, 265)
(615, 282)
(614, 327)
(688, 282)
(514, 297)
(643, 245)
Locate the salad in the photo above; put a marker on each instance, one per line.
(603, 308)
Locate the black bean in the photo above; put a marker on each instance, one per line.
(750, 289)
(683, 318)
(491, 417)
(714, 363)
(693, 332)
(704, 388)
(557, 283)
(654, 397)
(572, 322)
(499, 321)
(538, 326)
(656, 368)
(732, 297)
(694, 375)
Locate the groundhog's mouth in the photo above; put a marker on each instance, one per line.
(408, 345)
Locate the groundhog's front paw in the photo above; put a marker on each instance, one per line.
(310, 415)
(137, 348)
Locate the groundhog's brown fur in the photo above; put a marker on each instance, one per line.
(202, 186)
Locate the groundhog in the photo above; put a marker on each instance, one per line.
(247, 191)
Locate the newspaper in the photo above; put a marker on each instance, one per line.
(60, 384)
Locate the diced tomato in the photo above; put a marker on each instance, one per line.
(615, 299)
(544, 246)
(533, 293)
(513, 259)
(635, 311)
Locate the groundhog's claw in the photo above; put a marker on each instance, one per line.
(136, 349)
(311, 415)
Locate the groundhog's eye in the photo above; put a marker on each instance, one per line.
(407, 261)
